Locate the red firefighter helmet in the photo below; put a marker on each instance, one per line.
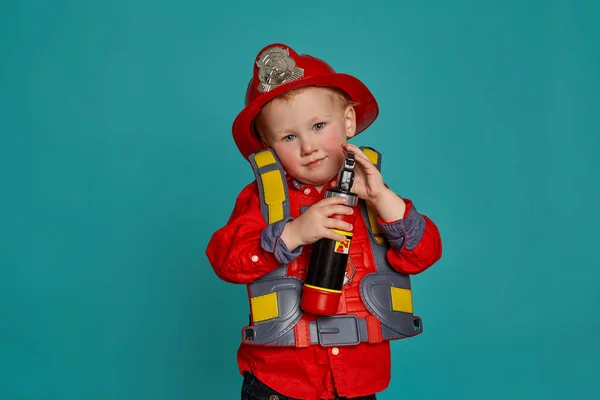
(279, 69)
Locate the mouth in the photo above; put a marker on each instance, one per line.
(315, 163)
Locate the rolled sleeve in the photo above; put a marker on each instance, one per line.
(407, 231)
(271, 242)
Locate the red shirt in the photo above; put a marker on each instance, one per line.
(313, 372)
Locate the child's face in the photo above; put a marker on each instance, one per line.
(307, 133)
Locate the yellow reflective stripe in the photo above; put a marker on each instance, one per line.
(264, 158)
(323, 289)
(274, 192)
(374, 225)
(379, 239)
(264, 307)
(401, 299)
(345, 233)
(373, 156)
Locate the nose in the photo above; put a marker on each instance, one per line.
(308, 146)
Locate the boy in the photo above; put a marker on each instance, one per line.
(302, 112)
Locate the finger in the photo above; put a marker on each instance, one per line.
(352, 146)
(338, 210)
(332, 201)
(333, 235)
(365, 163)
(359, 155)
(338, 224)
(363, 156)
(355, 149)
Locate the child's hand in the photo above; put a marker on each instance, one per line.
(368, 185)
(368, 182)
(315, 223)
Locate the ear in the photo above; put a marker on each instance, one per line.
(260, 136)
(350, 121)
(264, 142)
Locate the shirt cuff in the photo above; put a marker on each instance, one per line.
(408, 230)
(270, 241)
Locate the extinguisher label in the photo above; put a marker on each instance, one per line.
(343, 247)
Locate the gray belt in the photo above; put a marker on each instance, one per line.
(338, 330)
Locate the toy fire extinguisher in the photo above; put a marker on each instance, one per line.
(325, 275)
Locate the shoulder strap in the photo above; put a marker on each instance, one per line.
(373, 225)
(272, 187)
(374, 155)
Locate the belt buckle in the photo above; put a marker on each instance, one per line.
(339, 330)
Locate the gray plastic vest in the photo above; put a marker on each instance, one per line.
(375, 291)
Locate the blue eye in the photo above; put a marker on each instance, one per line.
(289, 138)
(319, 126)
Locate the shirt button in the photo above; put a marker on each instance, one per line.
(335, 351)
(333, 184)
(255, 258)
(273, 397)
(306, 191)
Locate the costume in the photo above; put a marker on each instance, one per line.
(298, 354)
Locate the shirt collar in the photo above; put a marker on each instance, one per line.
(295, 184)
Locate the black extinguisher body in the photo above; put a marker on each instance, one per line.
(327, 265)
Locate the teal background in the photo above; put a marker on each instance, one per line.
(117, 164)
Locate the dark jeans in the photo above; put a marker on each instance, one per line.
(253, 389)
